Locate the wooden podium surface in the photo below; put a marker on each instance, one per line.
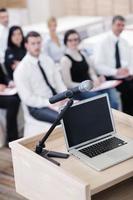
(36, 178)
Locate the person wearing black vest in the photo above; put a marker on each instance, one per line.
(37, 79)
(15, 51)
(113, 59)
(11, 105)
(75, 68)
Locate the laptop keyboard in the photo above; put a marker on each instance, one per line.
(102, 147)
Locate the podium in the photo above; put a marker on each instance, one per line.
(37, 178)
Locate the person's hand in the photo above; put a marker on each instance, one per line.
(14, 65)
(122, 72)
(96, 82)
(11, 84)
(129, 78)
(2, 87)
(63, 102)
(54, 106)
(57, 105)
(102, 79)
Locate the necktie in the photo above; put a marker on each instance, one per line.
(45, 78)
(117, 55)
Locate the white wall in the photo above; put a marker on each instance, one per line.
(38, 10)
(20, 15)
(58, 8)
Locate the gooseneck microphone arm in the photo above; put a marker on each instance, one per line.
(40, 148)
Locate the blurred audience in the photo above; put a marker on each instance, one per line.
(76, 67)
(37, 79)
(15, 51)
(11, 104)
(4, 29)
(113, 59)
(53, 45)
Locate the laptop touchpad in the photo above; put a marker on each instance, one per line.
(117, 154)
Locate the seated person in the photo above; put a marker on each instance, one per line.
(15, 51)
(37, 79)
(53, 45)
(11, 104)
(75, 68)
(113, 59)
(4, 31)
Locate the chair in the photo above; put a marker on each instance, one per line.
(31, 125)
(3, 133)
(2, 127)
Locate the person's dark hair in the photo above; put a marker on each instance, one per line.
(3, 10)
(68, 33)
(118, 17)
(31, 34)
(11, 31)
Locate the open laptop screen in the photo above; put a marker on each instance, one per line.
(87, 121)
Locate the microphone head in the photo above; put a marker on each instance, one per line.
(85, 86)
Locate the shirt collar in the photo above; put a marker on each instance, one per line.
(114, 37)
(32, 59)
(4, 27)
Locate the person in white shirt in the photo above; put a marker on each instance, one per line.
(37, 79)
(113, 59)
(53, 43)
(4, 29)
(76, 67)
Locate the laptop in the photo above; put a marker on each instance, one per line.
(90, 134)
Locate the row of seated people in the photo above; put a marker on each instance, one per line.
(12, 50)
(112, 59)
(104, 57)
(37, 78)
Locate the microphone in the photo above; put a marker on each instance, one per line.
(84, 86)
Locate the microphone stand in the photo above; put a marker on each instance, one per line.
(40, 147)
